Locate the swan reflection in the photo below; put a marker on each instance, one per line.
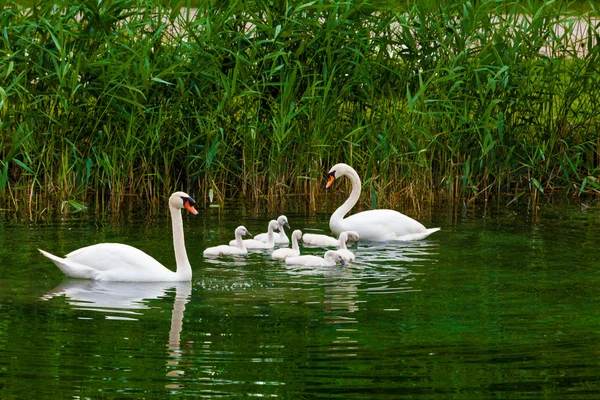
(115, 297)
(385, 253)
(130, 298)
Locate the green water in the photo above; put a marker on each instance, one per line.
(499, 304)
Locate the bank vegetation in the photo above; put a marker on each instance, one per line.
(461, 101)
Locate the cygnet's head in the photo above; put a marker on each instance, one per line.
(297, 234)
(273, 225)
(283, 221)
(335, 256)
(352, 236)
(242, 231)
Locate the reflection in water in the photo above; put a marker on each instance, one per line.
(342, 306)
(130, 298)
(387, 253)
(493, 308)
(235, 261)
(182, 296)
(379, 269)
(110, 297)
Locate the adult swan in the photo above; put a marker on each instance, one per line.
(371, 225)
(120, 262)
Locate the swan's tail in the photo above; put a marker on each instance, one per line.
(55, 260)
(70, 268)
(418, 236)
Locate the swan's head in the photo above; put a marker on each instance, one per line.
(283, 221)
(182, 200)
(273, 225)
(335, 172)
(297, 234)
(242, 231)
(335, 256)
(353, 236)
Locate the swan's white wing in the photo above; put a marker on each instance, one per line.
(278, 238)
(263, 237)
(108, 256)
(317, 239)
(224, 250)
(382, 225)
(251, 244)
(282, 254)
(257, 244)
(307, 260)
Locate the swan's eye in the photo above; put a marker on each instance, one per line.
(188, 200)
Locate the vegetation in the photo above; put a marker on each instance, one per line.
(458, 100)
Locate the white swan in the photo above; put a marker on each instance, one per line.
(371, 225)
(253, 244)
(282, 254)
(330, 258)
(281, 238)
(120, 262)
(228, 250)
(316, 239)
(343, 250)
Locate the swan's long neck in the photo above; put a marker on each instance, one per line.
(270, 237)
(239, 241)
(281, 231)
(295, 243)
(184, 269)
(338, 215)
(343, 238)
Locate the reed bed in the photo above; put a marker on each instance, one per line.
(460, 101)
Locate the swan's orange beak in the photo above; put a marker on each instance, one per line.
(190, 208)
(330, 181)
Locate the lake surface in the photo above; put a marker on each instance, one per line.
(499, 304)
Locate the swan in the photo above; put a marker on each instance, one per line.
(228, 250)
(281, 238)
(120, 262)
(316, 239)
(343, 250)
(371, 225)
(282, 254)
(330, 258)
(253, 244)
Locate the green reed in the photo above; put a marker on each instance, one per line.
(257, 99)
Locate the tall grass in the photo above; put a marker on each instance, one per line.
(257, 99)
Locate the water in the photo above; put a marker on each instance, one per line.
(499, 304)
